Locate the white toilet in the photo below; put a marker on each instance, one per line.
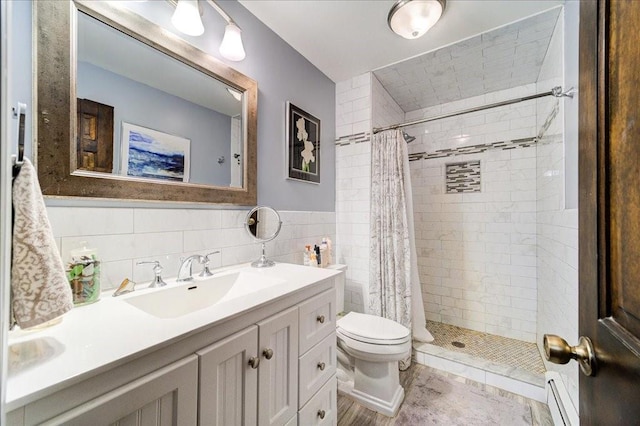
(369, 348)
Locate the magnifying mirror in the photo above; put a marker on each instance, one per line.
(263, 224)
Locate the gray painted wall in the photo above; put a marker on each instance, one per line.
(136, 103)
(282, 75)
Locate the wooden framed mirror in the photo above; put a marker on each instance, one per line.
(89, 143)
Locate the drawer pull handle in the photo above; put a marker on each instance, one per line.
(321, 366)
(320, 319)
(268, 353)
(321, 414)
(254, 361)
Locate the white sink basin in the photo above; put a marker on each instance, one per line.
(177, 300)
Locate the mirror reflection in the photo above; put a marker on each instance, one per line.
(145, 115)
(263, 224)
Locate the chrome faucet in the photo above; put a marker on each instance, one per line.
(185, 271)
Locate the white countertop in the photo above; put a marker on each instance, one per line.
(93, 336)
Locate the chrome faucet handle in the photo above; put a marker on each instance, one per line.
(157, 270)
(206, 272)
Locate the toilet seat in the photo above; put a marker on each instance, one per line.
(372, 329)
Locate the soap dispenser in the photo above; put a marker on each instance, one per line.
(83, 273)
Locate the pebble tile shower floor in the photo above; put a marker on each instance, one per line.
(501, 350)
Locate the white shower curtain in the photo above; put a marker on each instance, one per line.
(394, 285)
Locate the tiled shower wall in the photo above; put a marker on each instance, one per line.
(353, 166)
(125, 236)
(557, 226)
(361, 104)
(476, 250)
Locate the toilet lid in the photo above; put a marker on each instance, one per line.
(373, 329)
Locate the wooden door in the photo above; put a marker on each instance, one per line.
(609, 208)
(95, 136)
(228, 383)
(278, 372)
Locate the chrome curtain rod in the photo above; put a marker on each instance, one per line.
(556, 91)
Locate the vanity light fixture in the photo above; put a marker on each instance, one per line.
(186, 19)
(412, 18)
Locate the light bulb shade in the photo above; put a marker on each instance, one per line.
(231, 47)
(186, 18)
(412, 18)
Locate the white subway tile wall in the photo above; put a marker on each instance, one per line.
(386, 111)
(353, 170)
(353, 106)
(125, 236)
(504, 123)
(476, 251)
(557, 227)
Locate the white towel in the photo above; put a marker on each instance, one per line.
(39, 285)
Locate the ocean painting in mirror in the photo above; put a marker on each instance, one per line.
(148, 153)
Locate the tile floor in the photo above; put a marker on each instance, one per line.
(436, 397)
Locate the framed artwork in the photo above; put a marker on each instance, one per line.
(303, 145)
(152, 154)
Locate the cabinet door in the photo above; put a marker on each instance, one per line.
(165, 397)
(277, 375)
(228, 383)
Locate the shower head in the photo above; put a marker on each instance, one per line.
(407, 137)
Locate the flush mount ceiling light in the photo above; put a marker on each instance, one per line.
(186, 19)
(412, 18)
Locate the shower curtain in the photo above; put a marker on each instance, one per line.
(394, 284)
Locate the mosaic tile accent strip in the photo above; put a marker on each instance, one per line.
(475, 149)
(463, 177)
(498, 349)
(355, 138)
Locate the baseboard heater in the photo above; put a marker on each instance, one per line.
(560, 405)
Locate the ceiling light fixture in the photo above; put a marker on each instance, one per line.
(186, 19)
(412, 18)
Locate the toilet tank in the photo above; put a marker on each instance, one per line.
(339, 280)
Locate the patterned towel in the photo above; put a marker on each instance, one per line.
(39, 285)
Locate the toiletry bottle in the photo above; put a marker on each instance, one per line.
(83, 273)
(316, 249)
(313, 261)
(323, 253)
(305, 257)
(329, 251)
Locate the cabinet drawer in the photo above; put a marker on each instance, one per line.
(321, 409)
(316, 366)
(317, 319)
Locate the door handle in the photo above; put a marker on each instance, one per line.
(558, 351)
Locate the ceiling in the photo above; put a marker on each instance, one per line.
(504, 58)
(345, 38)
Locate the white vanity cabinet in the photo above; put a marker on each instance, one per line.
(270, 364)
(251, 377)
